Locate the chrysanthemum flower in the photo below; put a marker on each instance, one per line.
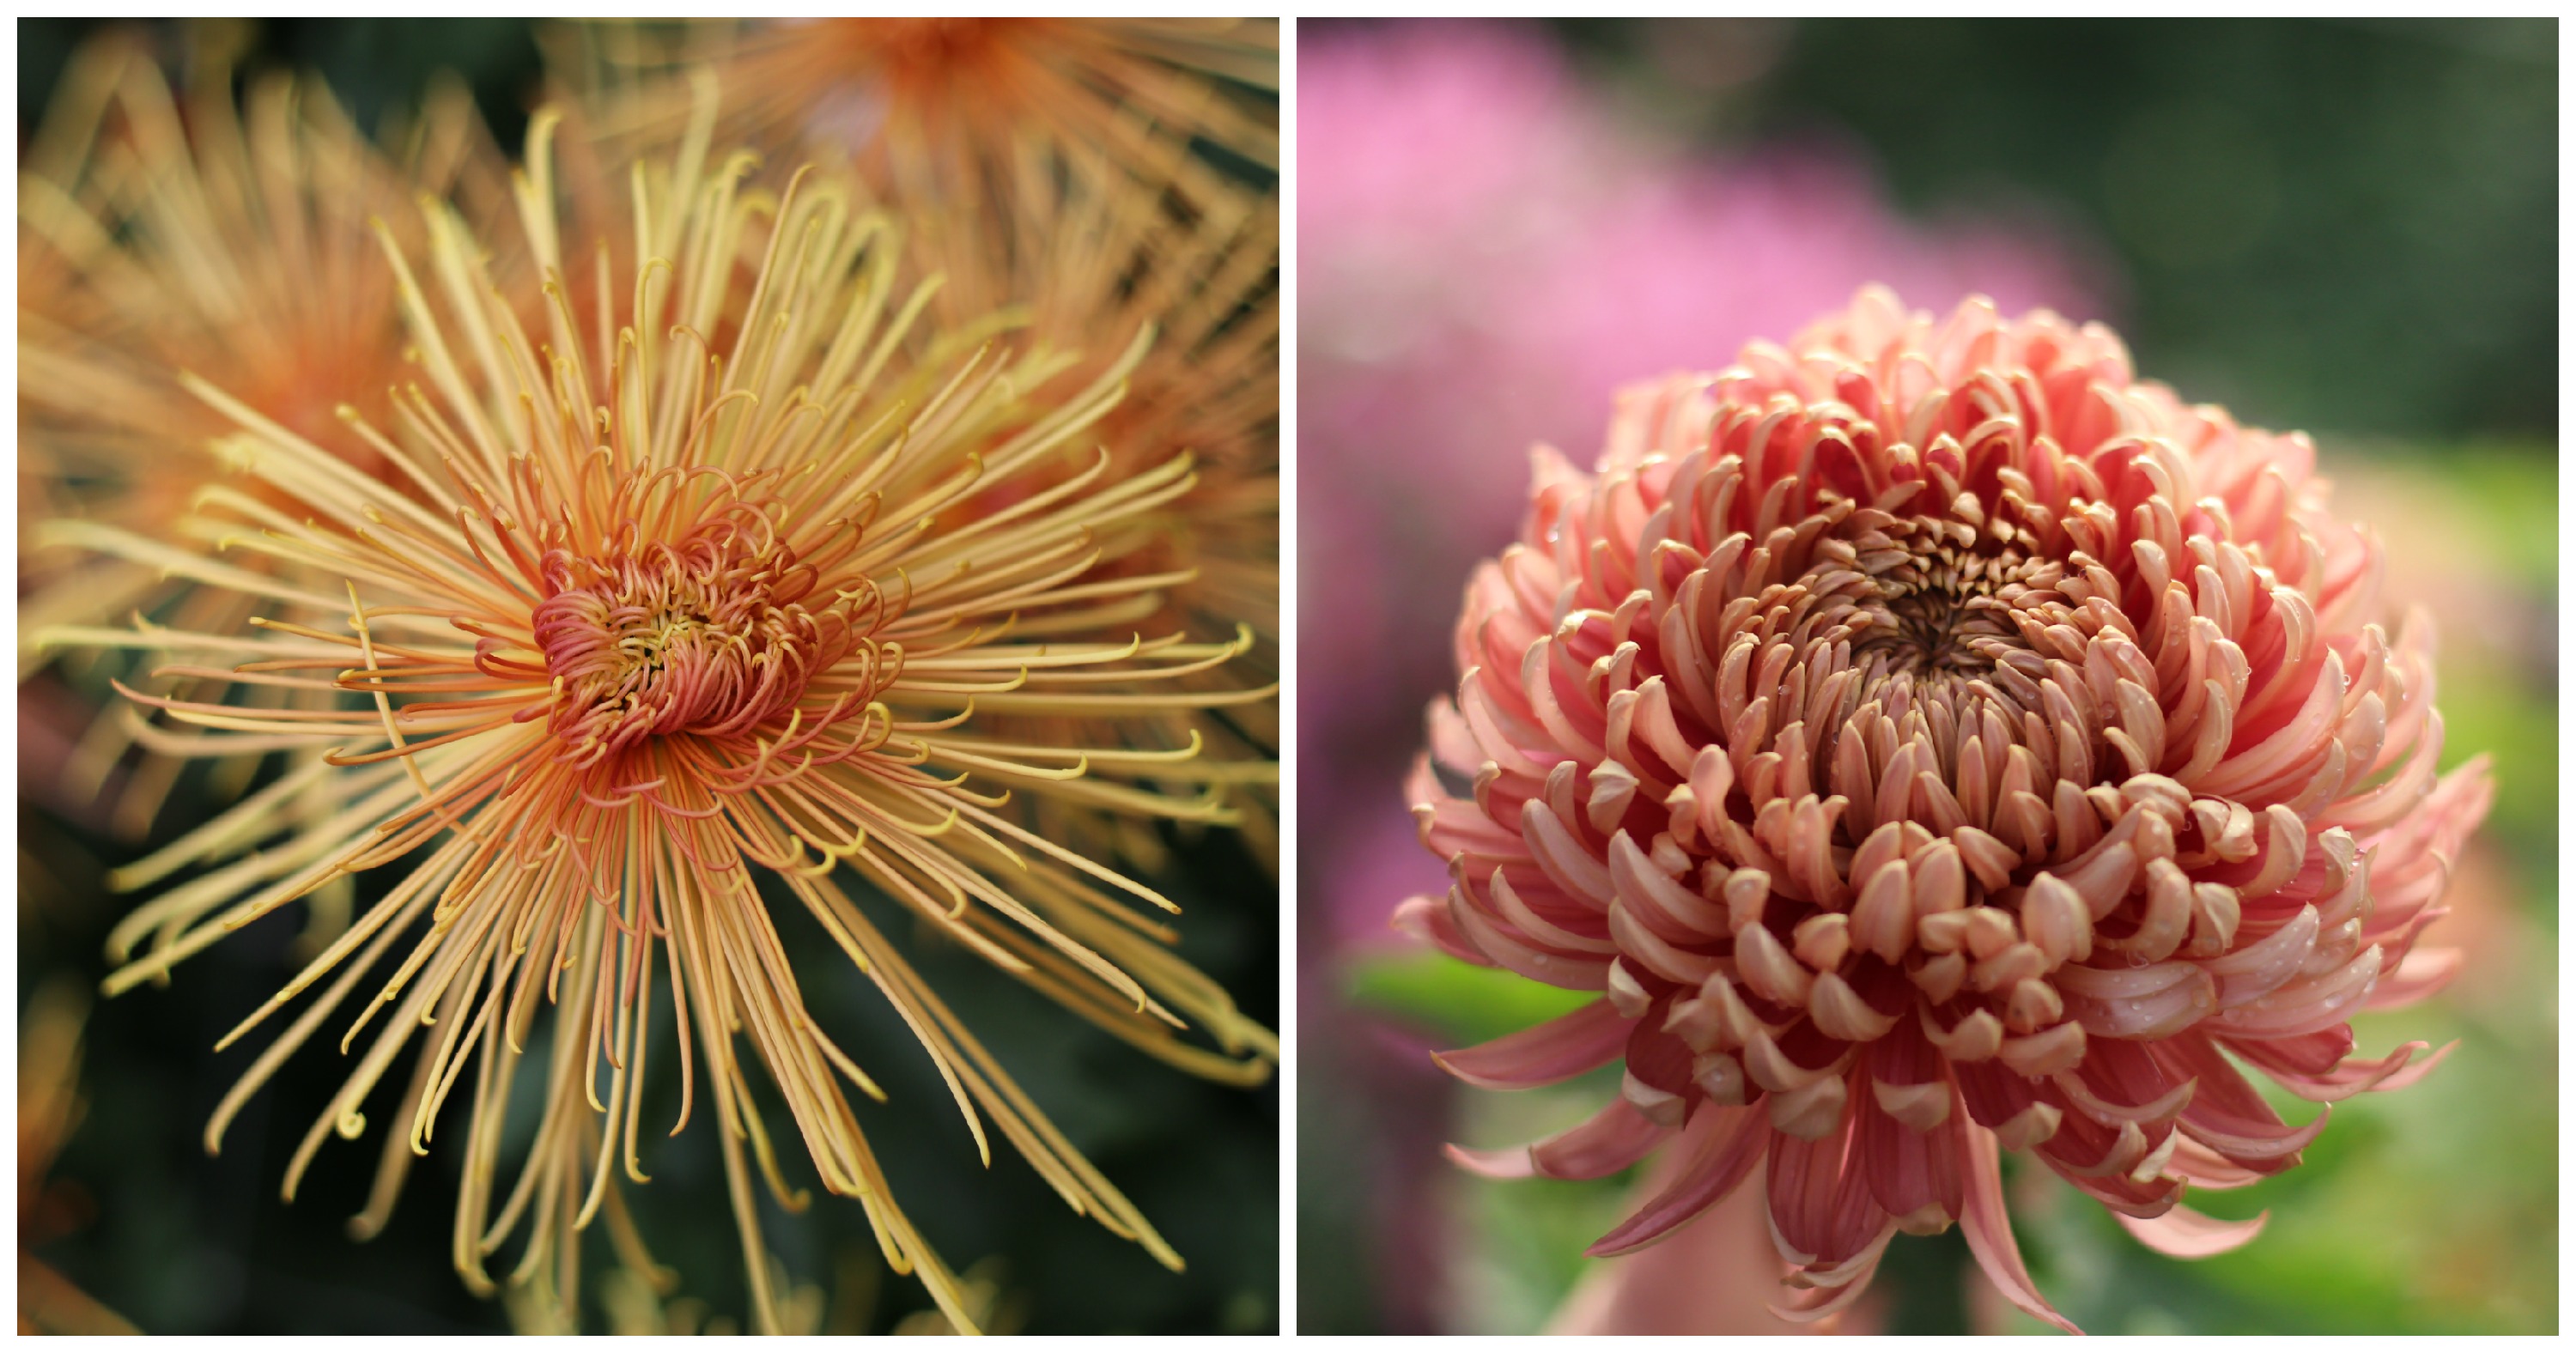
(670, 622)
(1933, 742)
(160, 234)
(937, 108)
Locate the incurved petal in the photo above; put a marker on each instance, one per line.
(1604, 1144)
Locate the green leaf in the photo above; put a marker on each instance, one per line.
(1460, 1001)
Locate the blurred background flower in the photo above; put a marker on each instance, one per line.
(2334, 227)
(171, 1240)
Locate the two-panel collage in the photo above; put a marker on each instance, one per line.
(1254, 677)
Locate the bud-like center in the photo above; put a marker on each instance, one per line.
(1943, 598)
(707, 638)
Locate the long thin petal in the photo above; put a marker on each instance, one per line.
(1542, 1054)
(1604, 1144)
(1724, 1144)
(1988, 1228)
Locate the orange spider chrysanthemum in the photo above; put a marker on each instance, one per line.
(1933, 742)
(161, 234)
(672, 622)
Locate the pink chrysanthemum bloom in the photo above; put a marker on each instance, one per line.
(1931, 742)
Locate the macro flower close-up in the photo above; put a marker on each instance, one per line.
(692, 634)
(1077, 170)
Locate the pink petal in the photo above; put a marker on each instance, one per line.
(1988, 1228)
(1427, 919)
(1822, 1213)
(2351, 1076)
(2203, 1168)
(1604, 1144)
(1510, 1162)
(1542, 1054)
(2185, 1234)
(1908, 1170)
(2227, 1114)
(1723, 1144)
(1815, 1304)
(2316, 1054)
(2422, 973)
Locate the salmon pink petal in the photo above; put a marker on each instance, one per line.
(1914, 1175)
(1427, 919)
(1989, 1231)
(2203, 1168)
(2418, 975)
(2349, 1077)
(2185, 1234)
(2227, 1114)
(1542, 1054)
(1604, 1144)
(2315, 1054)
(1934, 737)
(1722, 1145)
(1822, 1214)
(1826, 1299)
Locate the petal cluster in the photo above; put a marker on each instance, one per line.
(708, 637)
(1932, 741)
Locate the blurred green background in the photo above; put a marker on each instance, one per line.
(178, 1242)
(2348, 227)
(2345, 226)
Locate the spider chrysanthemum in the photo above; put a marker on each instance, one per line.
(663, 616)
(162, 232)
(1933, 742)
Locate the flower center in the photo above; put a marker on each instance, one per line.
(1944, 601)
(706, 638)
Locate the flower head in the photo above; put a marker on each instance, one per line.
(674, 620)
(1932, 741)
(162, 233)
